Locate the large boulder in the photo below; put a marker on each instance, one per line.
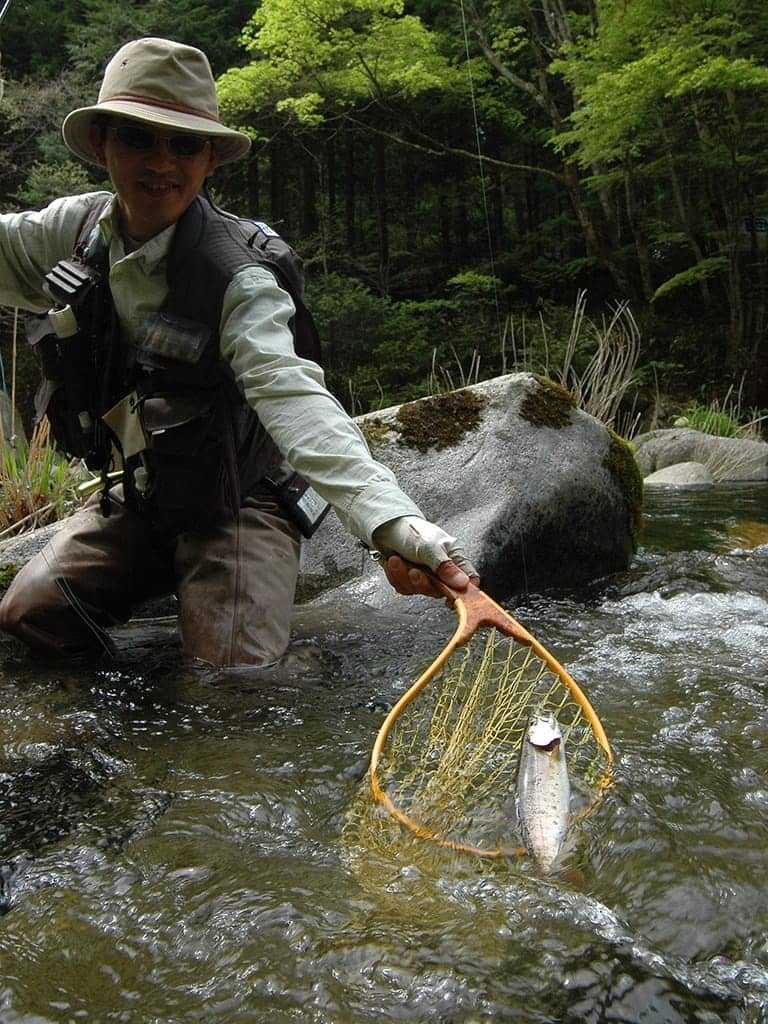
(728, 459)
(542, 494)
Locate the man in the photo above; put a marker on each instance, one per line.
(176, 351)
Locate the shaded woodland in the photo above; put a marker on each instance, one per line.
(456, 172)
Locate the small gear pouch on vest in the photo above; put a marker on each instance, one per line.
(61, 394)
(188, 476)
(171, 338)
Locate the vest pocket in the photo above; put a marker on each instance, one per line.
(189, 453)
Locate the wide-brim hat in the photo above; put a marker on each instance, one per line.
(158, 82)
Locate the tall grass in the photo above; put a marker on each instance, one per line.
(600, 388)
(37, 485)
(725, 418)
(611, 349)
(445, 378)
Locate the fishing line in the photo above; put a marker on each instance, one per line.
(483, 187)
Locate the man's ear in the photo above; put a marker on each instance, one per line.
(213, 160)
(98, 135)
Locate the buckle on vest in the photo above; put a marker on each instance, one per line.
(69, 282)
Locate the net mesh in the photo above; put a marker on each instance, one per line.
(450, 760)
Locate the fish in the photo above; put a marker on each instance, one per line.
(543, 791)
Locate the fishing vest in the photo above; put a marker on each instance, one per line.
(189, 446)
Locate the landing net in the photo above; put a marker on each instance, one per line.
(449, 764)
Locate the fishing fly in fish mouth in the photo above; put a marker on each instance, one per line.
(543, 791)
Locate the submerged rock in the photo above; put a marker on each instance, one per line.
(683, 475)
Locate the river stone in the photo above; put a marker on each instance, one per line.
(541, 494)
(728, 459)
(683, 475)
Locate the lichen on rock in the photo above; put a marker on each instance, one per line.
(7, 574)
(548, 404)
(375, 431)
(621, 464)
(439, 422)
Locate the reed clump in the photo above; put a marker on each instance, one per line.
(37, 484)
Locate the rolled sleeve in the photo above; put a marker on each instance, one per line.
(310, 427)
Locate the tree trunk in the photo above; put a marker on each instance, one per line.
(382, 212)
(350, 231)
(253, 184)
(309, 196)
(637, 228)
(276, 185)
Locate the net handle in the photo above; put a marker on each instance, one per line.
(474, 610)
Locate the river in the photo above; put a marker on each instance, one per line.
(172, 839)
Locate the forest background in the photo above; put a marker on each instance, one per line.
(461, 175)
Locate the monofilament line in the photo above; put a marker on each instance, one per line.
(483, 188)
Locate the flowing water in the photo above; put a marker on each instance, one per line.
(172, 846)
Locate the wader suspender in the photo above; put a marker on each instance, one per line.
(75, 345)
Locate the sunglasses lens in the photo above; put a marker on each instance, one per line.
(186, 145)
(135, 137)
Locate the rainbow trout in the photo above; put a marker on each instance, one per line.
(543, 790)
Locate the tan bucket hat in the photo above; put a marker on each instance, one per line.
(158, 82)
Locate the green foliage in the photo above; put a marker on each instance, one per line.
(40, 38)
(378, 351)
(724, 418)
(623, 148)
(710, 419)
(45, 182)
(34, 36)
(626, 92)
(706, 268)
(311, 62)
(471, 285)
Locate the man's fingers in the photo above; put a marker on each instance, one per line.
(409, 579)
(454, 576)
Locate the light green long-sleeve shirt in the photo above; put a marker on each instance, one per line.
(288, 394)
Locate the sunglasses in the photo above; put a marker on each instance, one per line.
(135, 137)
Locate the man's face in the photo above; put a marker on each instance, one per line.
(154, 175)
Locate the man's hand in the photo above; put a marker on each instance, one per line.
(409, 542)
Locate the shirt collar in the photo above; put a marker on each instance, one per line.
(150, 253)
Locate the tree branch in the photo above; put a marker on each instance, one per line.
(433, 147)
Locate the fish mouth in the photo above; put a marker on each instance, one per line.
(548, 747)
(544, 732)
